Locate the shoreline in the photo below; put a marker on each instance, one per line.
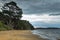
(18, 35)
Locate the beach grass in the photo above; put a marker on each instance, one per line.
(18, 35)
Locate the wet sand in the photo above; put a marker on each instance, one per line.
(18, 35)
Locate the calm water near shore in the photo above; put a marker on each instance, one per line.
(50, 34)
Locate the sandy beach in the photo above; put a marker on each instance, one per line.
(18, 35)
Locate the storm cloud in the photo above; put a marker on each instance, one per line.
(38, 6)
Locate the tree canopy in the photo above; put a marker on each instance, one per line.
(12, 10)
(11, 15)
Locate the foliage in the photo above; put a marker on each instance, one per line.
(4, 27)
(11, 12)
(10, 18)
(24, 25)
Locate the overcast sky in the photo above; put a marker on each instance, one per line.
(40, 13)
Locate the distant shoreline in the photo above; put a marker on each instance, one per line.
(47, 28)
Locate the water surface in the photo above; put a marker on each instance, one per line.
(50, 34)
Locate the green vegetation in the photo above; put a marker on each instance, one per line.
(4, 27)
(10, 18)
(23, 24)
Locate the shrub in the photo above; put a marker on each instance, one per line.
(4, 27)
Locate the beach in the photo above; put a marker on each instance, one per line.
(18, 35)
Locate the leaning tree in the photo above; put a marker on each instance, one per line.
(11, 12)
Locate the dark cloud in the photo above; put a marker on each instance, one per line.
(54, 14)
(55, 7)
(38, 6)
(3, 0)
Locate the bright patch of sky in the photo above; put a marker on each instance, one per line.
(39, 20)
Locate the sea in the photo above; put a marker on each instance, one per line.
(48, 34)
